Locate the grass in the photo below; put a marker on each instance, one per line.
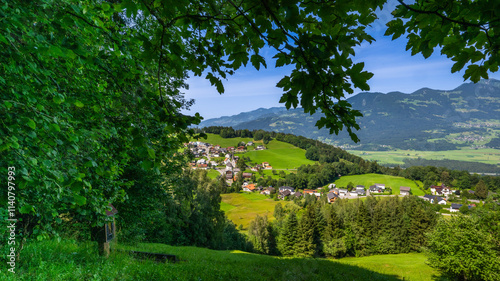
(486, 155)
(280, 155)
(212, 173)
(218, 140)
(242, 208)
(390, 181)
(70, 260)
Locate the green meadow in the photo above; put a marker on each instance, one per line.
(242, 208)
(486, 155)
(71, 260)
(218, 140)
(213, 174)
(390, 181)
(280, 155)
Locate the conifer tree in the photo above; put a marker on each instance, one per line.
(306, 246)
(288, 237)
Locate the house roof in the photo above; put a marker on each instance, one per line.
(251, 186)
(331, 195)
(456, 206)
(404, 188)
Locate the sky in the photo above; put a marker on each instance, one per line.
(393, 67)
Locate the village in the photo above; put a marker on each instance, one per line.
(224, 161)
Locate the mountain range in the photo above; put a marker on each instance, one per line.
(426, 119)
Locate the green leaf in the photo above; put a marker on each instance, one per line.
(58, 99)
(7, 104)
(80, 200)
(55, 127)
(78, 103)
(151, 153)
(26, 209)
(31, 124)
(105, 6)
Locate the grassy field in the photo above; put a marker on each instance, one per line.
(487, 156)
(70, 260)
(242, 208)
(218, 140)
(390, 181)
(407, 266)
(212, 173)
(280, 155)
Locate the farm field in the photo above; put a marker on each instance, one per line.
(53, 260)
(390, 181)
(280, 155)
(486, 155)
(242, 208)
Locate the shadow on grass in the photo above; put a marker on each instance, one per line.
(71, 260)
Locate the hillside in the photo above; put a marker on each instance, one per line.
(426, 119)
(52, 260)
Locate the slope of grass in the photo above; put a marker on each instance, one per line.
(218, 140)
(390, 181)
(69, 260)
(280, 155)
(213, 174)
(242, 208)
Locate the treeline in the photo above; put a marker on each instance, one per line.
(347, 228)
(453, 165)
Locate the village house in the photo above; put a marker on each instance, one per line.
(268, 191)
(375, 189)
(404, 190)
(343, 192)
(434, 198)
(250, 143)
(229, 174)
(283, 188)
(332, 197)
(441, 190)
(284, 193)
(247, 175)
(260, 147)
(249, 187)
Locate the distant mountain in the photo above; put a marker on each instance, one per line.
(426, 119)
(230, 121)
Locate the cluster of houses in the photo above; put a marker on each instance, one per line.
(333, 194)
(200, 149)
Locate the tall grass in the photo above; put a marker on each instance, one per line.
(70, 260)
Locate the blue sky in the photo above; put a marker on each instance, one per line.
(394, 69)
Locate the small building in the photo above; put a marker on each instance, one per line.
(404, 190)
(332, 197)
(268, 190)
(247, 175)
(283, 188)
(434, 198)
(249, 187)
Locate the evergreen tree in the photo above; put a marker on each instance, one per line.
(306, 246)
(481, 190)
(288, 236)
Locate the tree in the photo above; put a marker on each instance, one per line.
(289, 235)
(481, 190)
(466, 32)
(259, 234)
(461, 249)
(306, 240)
